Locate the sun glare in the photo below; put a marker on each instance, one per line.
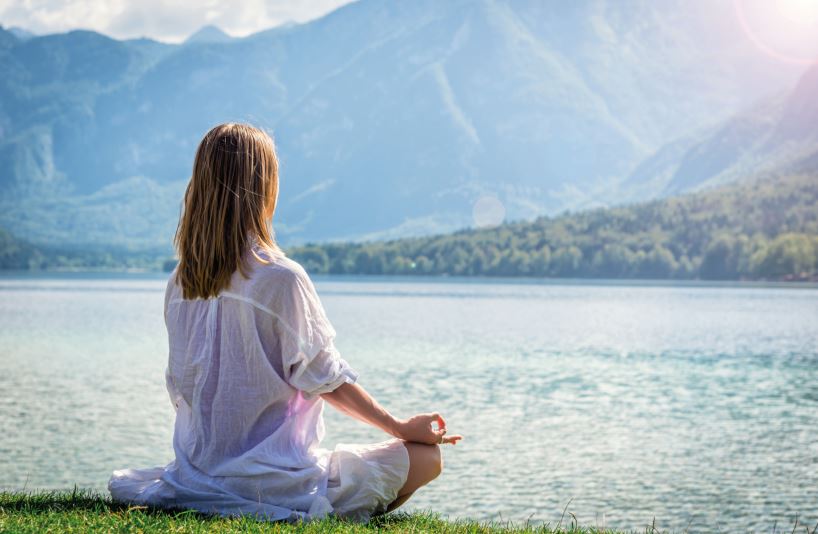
(786, 30)
(799, 10)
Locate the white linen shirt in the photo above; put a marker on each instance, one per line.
(245, 371)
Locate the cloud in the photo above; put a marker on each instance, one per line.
(317, 188)
(164, 20)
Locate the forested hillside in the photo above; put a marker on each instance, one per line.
(767, 229)
(17, 254)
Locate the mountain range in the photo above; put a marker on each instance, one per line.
(397, 118)
(775, 137)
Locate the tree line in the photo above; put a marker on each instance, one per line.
(767, 229)
(17, 254)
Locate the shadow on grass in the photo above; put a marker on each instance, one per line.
(77, 500)
(89, 501)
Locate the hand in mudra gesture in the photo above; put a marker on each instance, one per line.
(353, 399)
(420, 429)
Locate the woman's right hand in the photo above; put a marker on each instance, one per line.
(419, 430)
(353, 400)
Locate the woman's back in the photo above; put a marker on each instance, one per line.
(239, 359)
(244, 373)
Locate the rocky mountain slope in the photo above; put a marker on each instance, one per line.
(391, 118)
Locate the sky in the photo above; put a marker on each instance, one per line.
(786, 30)
(163, 20)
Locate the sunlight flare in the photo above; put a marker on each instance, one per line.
(786, 30)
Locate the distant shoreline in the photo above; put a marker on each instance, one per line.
(146, 274)
(766, 230)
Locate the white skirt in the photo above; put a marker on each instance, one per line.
(362, 480)
(365, 479)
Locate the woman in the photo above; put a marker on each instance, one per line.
(251, 362)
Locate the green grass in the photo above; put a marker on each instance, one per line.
(86, 511)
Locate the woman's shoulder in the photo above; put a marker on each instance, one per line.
(171, 284)
(277, 271)
(281, 285)
(274, 264)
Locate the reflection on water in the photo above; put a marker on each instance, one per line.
(694, 405)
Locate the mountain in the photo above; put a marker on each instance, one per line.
(17, 254)
(391, 118)
(777, 135)
(21, 33)
(208, 34)
(14, 35)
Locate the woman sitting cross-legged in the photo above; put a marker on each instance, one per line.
(251, 362)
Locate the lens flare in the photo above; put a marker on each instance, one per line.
(488, 210)
(785, 30)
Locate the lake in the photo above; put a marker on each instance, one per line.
(691, 404)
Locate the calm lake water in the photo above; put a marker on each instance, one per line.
(696, 405)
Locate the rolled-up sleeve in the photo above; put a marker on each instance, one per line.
(311, 363)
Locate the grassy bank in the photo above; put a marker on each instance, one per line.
(83, 511)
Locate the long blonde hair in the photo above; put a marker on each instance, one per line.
(227, 208)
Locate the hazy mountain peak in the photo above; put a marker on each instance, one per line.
(800, 118)
(21, 33)
(7, 38)
(209, 34)
(775, 135)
